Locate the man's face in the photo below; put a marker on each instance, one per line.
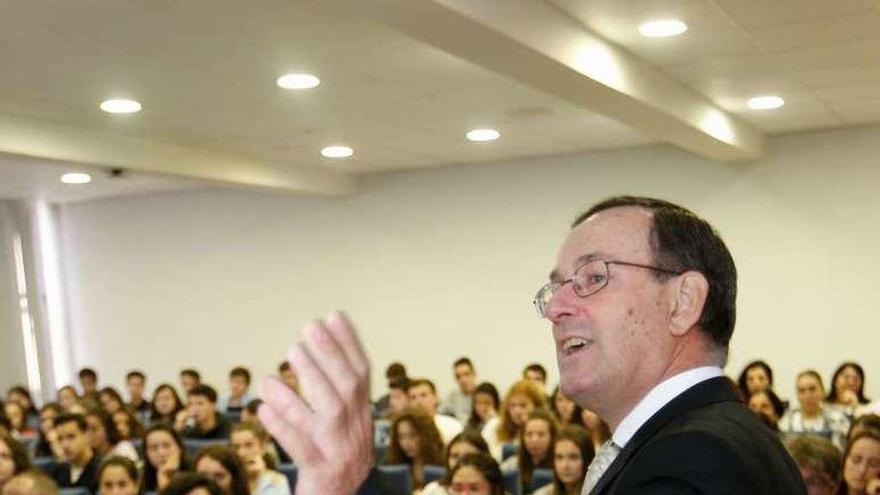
(237, 386)
(466, 378)
(73, 441)
(201, 409)
(135, 387)
(188, 382)
(610, 345)
(422, 396)
(88, 384)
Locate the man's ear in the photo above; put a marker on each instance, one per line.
(689, 298)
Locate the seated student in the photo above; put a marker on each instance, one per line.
(768, 406)
(189, 379)
(104, 439)
(17, 416)
(415, 440)
(395, 372)
(110, 400)
(861, 465)
(812, 417)
(67, 397)
(459, 402)
(757, 375)
(422, 393)
(573, 452)
(565, 410)
(193, 484)
(397, 398)
(165, 406)
(47, 440)
(538, 375)
(239, 394)
(476, 474)
(249, 441)
(14, 458)
(486, 403)
(118, 476)
(868, 422)
(522, 398)
(88, 381)
(209, 424)
(80, 466)
(135, 383)
(166, 456)
(220, 463)
(466, 442)
(847, 388)
(30, 482)
(127, 424)
(819, 462)
(596, 426)
(535, 448)
(249, 415)
(22, 395)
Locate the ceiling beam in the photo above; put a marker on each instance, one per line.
(540, 46)
(64, 143)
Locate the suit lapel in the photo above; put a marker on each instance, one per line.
(702, 394)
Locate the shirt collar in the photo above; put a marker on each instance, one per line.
(658, 397)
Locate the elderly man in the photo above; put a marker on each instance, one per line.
(642, 301)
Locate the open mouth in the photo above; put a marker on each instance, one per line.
(574, 344)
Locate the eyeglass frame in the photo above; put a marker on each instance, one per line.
(559, 284)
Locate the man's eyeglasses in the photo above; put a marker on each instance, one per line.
(587, 280)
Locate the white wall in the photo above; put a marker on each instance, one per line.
(441, 263)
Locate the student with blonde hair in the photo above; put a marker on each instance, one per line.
(522, 398)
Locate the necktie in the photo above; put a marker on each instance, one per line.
(604, 457)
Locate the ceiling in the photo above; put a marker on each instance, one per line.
(404, 80)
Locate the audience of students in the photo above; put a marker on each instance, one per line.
(81, 431)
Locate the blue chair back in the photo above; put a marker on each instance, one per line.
(434, 473)
(396, 479)
(74, 491)
(382, 432)
(290, 471)
(379, 453)
(541, 477)
(509, 449)
(45, 464)
(511, 483)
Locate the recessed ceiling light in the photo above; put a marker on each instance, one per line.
(298, 81)
(662, 28)
(76, 178)
(337, 152)
(765, 102)
(119, 105)
(483, 135)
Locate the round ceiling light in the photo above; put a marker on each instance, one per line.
(76, 178)
(765, 102)
(298, 81)
(662, 28)
(120, 105)
(480, 135)
(337, 152)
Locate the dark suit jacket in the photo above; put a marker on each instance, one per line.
(88, 478)
(703, 442)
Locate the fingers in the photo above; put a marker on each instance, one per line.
(343, 331)
(288, 419)
(319, 390)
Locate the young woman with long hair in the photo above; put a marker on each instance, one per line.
(573, 452)
(522, 398)
(416, 441)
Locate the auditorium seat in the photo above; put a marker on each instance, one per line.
(434, 473)
(46, 464)
(396, 478)
(541, 477)
(74, 491)
(290, 471)
(511, 483)
(509, 449)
